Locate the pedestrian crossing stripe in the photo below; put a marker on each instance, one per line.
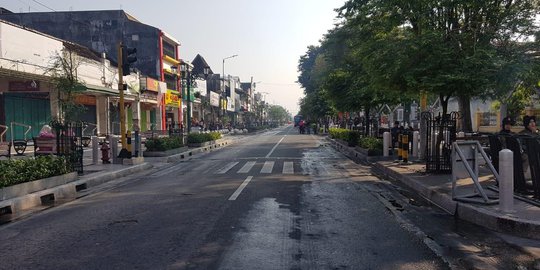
(267, 168)
(247, 167)
(227, 167)
(288, 168)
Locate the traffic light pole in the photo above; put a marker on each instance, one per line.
(121, 90)
(188, 99)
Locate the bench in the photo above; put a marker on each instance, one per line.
(5, 149)
(44, 146)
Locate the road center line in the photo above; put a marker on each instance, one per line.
(275, 146)
(240, 188)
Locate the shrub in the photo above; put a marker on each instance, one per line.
(350, 136)
(371, 143)
(203, 137)
(164, 144)
(26, 170)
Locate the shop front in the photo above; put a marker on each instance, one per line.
(25, 106)
(172, 105)
(150, 107)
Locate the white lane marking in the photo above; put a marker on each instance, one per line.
(227, 167)
(275, 146)
(247, 167)
(288, 167)
(240, 188)
(267, 167)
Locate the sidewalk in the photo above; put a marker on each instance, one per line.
(524, 221)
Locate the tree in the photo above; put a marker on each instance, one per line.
(63, 73)
(449, 48)
(276, 113)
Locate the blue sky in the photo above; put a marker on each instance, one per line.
(268, 36)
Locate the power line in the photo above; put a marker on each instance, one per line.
(26, 4)
(43, 5)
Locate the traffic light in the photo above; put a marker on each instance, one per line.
(129, 56)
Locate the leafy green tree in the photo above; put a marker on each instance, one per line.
(277, 113)
(449, 48)
(63, 73)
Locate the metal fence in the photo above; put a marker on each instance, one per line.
(440, 134)
(69, 143)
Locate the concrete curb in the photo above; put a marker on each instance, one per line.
(66, 191)
(105, 176)
(180, 156)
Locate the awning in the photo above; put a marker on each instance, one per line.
(101, 90)
(171, 60)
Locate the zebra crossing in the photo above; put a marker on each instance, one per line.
(268, 167)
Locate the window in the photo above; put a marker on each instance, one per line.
(170, 81)
(169, 49)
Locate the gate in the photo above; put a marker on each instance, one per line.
(69, 143)
(440, 134)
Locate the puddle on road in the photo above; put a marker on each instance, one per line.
(267, 239)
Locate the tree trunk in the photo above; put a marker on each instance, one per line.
(465, 109)
(367, 111)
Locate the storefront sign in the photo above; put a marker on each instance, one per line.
(23, 86)
(149, 84)
(214, 99)
(148, 97)
(85, 100)
(172, 99)
(230, 104)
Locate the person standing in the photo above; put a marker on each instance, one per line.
(394, 131)
(506, 126)
(529, 123)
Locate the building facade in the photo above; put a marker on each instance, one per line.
(101, 31)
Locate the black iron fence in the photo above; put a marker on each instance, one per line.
(440, 134)
(69, 143)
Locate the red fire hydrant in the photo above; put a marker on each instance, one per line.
(105, 153)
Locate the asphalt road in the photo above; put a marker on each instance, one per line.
(277, 200)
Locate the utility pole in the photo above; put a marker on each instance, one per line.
(126, 57)
(121, 90)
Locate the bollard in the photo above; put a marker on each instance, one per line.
(415, 141)
(506, 180)
(387, 140)
(95, 149)
(137, 144)
(114, 150)
(405, 148)
(400, 154)
(128, 143)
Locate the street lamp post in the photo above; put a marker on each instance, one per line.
(186, 71)
(223, 84)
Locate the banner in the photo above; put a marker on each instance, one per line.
(172, 99)
(149, 84)
(214, 99)
(230, 104)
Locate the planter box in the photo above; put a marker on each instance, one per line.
(36, 185)
(165, 153)
(368, 152)
(201, 144)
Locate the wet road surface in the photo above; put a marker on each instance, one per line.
(277, 200)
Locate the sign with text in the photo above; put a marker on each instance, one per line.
(214, 99)
(172, 99)
(23, 86)
(149, 84)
